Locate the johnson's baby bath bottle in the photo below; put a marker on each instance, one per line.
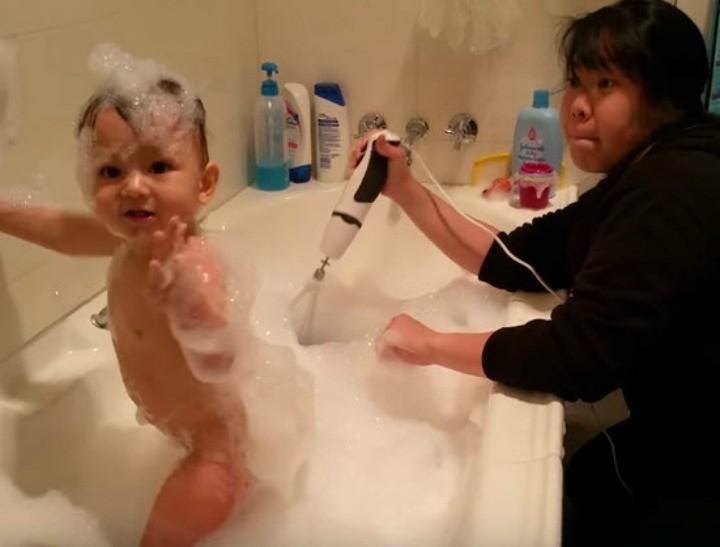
(537, 137)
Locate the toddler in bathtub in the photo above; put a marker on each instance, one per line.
(143, 163)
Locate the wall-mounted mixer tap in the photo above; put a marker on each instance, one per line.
(370, 121)
(415, 129)
(463, 129)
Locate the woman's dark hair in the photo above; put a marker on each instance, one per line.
(167, 86)
(652, 42)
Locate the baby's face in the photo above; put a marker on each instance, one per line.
(141, 179)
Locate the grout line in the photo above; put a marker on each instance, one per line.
(13, 35)
(256, 15)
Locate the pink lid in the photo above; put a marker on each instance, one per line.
(536, 168)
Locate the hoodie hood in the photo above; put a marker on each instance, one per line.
(702, 135)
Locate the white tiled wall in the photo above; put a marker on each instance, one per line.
(699, 11)
(385, 62)
(213, 43)
(373, 48)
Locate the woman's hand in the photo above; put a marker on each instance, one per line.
(399, 174)
(409, 340)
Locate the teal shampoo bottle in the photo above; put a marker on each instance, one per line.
(271, 162)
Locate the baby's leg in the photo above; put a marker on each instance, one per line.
(195, 500)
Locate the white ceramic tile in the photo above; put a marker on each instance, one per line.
(11, 335)
(32, 303)
(18, 258)
(75, 279)
(493, 87)
(23, 17)
(699, 11)
(572, 8)
(368, 47)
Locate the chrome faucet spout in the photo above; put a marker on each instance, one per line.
(415, 130)
(463, 129)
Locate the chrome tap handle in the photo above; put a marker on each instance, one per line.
(415, 129)
(370, 121)
(463, 129)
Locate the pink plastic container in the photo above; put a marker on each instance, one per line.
(534, 180)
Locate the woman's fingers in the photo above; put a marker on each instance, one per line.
(388, 150)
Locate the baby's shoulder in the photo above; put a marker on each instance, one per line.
(236, 261)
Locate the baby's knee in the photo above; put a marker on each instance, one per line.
(226, 483)
(215, 480)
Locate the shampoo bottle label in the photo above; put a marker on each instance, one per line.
(329, 140)
(292, 123)
(532, 147)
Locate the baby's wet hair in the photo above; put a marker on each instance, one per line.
(126, 106)
(652, 42)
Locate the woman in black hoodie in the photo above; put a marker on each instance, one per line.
(640, 256)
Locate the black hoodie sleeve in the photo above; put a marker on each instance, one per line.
(542, 243)
(647, 250)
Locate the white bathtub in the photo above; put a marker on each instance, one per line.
(79, 470)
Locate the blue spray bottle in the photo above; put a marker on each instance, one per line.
(271, 163)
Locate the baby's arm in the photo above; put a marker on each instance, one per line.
(58, 230)
(187, 279)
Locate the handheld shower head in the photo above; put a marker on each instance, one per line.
(361, 190)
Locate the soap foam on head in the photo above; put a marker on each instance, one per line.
(160, 106)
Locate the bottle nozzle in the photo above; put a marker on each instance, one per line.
(269, 68)
(319, 274)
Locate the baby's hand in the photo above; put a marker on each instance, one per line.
(184, 277)
(166, 249)
(187, 281)
(407, 339)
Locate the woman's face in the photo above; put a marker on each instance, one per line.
(605, 115)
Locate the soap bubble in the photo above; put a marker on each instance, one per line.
(63, 524)
(36, 193)
(276, 393)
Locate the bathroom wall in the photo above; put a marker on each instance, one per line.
(374, 48)
(386, 63)
(51, 42)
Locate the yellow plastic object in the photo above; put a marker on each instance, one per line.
(499, 157)
(482, 161)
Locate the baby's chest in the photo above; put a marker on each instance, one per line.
(144, 345)
(133, 315)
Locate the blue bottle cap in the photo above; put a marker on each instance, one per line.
(301, 173)
(541, 98)
(269, 87)
(331, 92)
